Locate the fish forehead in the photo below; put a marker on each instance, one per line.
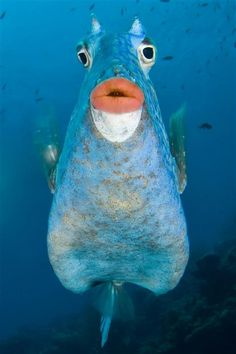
(117, 47)
(120, 45)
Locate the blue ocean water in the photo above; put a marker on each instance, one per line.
(196, 45)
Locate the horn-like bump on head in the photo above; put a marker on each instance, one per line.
(137, 29)
(96, 27)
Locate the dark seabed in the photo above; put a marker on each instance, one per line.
(196, 56)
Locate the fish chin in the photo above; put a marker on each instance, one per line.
(116, 127)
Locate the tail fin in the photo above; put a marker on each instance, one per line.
(112, 302)
(107, 302)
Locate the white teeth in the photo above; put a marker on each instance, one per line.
(116, 127)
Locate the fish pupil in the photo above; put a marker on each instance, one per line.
(148, 52)
(83, 58)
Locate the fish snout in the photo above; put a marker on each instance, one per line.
(117, 95)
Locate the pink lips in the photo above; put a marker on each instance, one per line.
(117, 95)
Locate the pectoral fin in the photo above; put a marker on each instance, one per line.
(177, 146)
(46, 139)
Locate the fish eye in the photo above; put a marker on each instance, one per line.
(84, 57)
(147, 54)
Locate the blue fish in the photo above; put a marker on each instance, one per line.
(116, 215)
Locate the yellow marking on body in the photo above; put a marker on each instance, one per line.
(127, 177)
(131, 201)
(60, 244)
(86, 147)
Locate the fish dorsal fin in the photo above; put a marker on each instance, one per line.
(137, 28)
(95, 25)
(177, 146)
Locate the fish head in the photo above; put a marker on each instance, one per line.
(116, 85)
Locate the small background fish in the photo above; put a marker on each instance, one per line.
(205, 126)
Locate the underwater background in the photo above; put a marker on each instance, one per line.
(196, 47)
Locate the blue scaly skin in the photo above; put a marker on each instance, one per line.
(116, 212)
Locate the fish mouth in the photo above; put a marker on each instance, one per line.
(117, 95)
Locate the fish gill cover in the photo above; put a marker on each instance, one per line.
(195, 55)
